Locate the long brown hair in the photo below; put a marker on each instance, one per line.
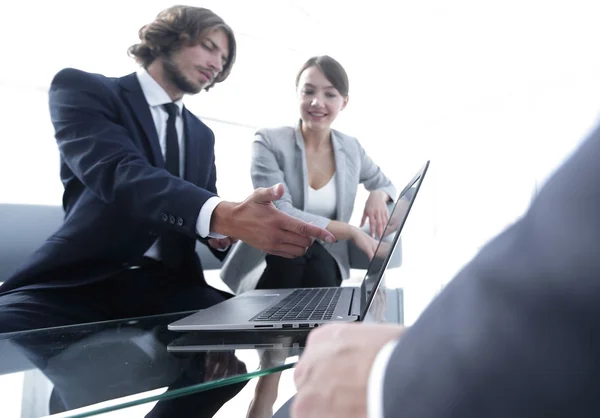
(180, 26)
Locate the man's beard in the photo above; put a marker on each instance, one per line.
(176, 77)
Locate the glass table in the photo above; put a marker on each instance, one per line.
(90, 369)
(96, 368)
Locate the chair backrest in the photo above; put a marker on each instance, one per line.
(24, 228)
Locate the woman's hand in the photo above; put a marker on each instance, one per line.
(364, 242)
(376, 212)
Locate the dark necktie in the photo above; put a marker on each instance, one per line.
(172, 148)
(171, 248)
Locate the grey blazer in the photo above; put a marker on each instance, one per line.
(278, 157)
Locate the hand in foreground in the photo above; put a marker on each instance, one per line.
(260, 224)
(376, 212)
(332, 374)
(221, 243)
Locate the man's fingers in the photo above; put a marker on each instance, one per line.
(318, 342)
(364, 218)
(300, 375)
(313, 345)
(310, 231)
(289, 237)
(269, 194)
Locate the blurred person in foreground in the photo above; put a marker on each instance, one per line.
(515, 334)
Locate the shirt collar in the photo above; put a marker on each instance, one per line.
(153, 92)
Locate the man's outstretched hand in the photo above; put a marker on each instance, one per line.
(260, 224)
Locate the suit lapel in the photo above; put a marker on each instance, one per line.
(192, 148)
(301, 162)
(141, 111)
(340, 179)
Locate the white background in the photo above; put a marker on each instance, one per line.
(495, 94)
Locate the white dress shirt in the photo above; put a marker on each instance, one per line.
(156, 96)
(376, 377)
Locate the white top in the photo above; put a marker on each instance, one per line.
(323, 202)
(156, 96)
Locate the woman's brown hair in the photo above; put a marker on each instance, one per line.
(333, 71)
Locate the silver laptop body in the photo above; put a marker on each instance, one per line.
(262, 309)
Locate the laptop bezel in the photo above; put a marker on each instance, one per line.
(363, 287)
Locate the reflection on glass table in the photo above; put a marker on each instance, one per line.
(106, 366)
(89, 364)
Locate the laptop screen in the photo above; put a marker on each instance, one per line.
(384, 254)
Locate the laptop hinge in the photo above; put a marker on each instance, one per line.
(355, 303)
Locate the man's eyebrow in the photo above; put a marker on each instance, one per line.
(214, 45)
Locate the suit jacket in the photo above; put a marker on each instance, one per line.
(517, 332)
(118, 197)
(278, 156)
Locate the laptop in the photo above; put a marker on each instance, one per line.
(306, 308)
(238, 340)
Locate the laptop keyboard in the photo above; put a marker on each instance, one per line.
(303, 305)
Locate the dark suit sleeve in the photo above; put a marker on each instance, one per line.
(516, 333)
(100, 151)
(212, 187)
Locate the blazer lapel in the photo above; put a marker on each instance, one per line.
(340, 179)
(141, 111)
(301, 162)
(192, 148)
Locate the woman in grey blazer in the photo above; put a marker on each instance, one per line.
(321, 169)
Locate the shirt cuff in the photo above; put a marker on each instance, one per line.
(203, 222)
(375, 382)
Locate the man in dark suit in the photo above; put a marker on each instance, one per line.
(140, 188)
(515, 334)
